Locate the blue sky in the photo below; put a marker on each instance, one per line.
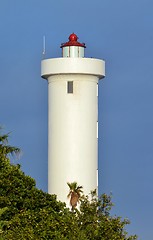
(121, 32)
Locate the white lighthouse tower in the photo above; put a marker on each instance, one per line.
(72, 118)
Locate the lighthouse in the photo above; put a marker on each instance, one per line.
(72, 118)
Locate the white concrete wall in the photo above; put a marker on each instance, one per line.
(72, 123)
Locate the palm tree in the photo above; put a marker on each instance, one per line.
(6, 149)
(74, 194)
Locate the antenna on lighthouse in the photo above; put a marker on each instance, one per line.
(44, 47)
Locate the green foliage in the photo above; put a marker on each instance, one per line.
(28, 213)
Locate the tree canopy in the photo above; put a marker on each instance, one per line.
(29, 213)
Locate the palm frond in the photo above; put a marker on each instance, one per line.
(4, 138)
(6, 149)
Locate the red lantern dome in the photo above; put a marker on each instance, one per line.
(73, 41)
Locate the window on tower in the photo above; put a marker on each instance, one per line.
(70, 87)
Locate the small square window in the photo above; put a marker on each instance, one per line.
(70, 87)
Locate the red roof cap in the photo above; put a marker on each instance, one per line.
(73, 41)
